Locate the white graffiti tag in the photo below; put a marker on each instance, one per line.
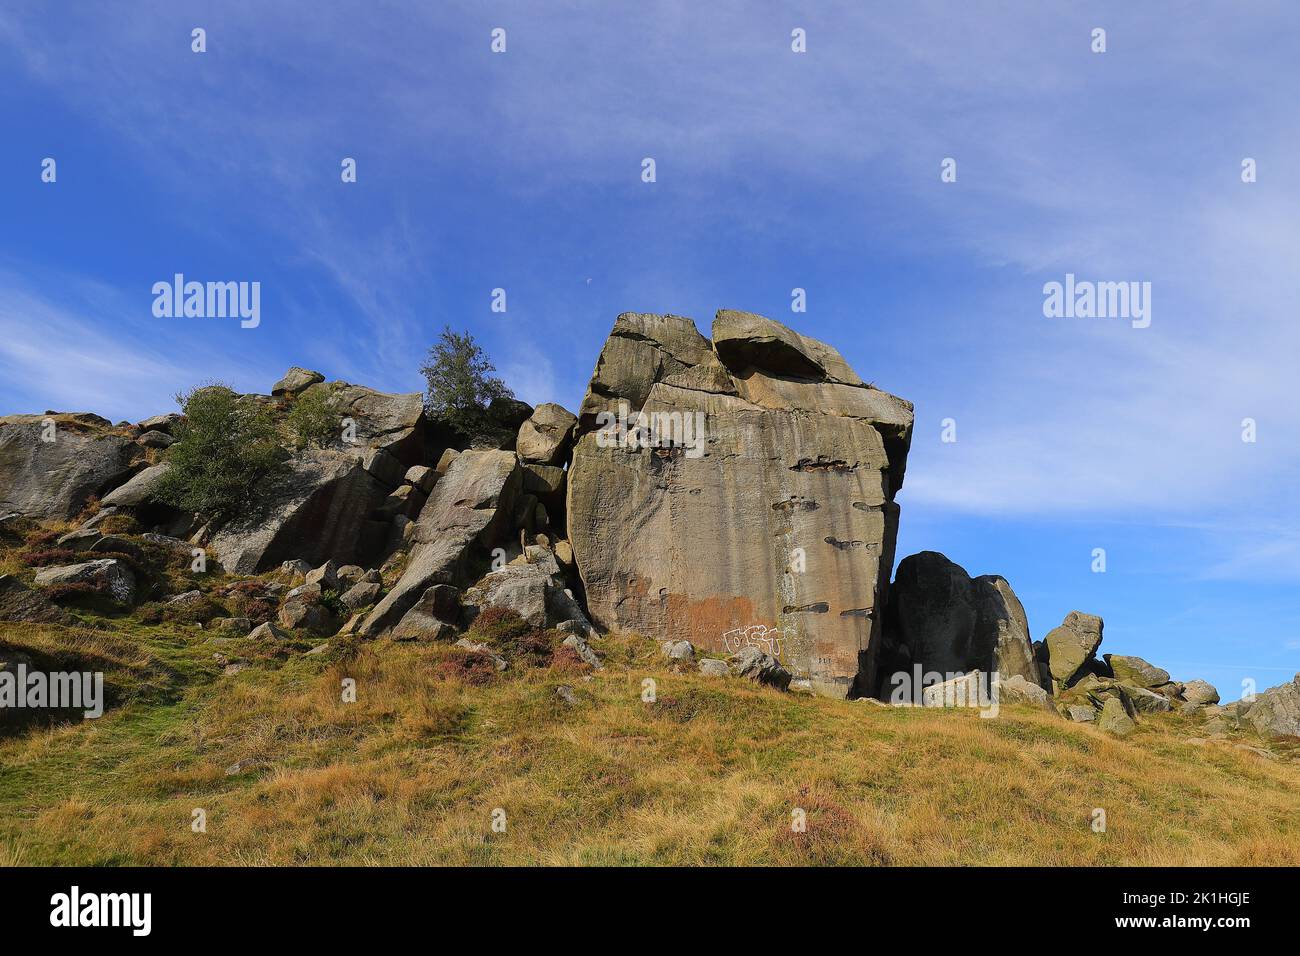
(767, 639)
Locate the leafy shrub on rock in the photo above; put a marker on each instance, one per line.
(226, 446)
(313, 419)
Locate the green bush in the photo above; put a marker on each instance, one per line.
(226, 447)
(313, 419)
(461, 385)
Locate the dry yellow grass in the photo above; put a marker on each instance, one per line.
(412, 772)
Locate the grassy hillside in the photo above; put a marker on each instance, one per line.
(708, 774)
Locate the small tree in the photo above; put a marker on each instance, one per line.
(226, 446)
(313, 419)
(461, 383)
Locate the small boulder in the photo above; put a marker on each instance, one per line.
(303, 609)
(1148, 701)
(422, 477)
(350, 574)
(583, 650)
(1200, 693)
(1136, 671)
(1017, 690)
(1081, 713)
(1114, 719)
(967, 690)
(156, 440)
(296, 380)
(107, 574)
(267, 631)
(139, 490)
(678, 650)
(230, 626)
(431, 618)
(327, 576)
(361, 595)
(297, 568)
(752, 664)
(83, 539)
(545, 438)
(712, 667)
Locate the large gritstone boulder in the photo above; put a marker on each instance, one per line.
(738, 498)
(467, 513)
(942, 621)
(51, 464)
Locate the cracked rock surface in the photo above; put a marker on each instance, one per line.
(738, 493)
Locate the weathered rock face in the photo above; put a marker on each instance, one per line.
(752, 506)
(467, 513)
(318, 511)
(53, 479)
(948, 623)
(1276, 711)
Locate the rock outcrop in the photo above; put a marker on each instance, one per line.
(716, 493)
(532, 586)
(1274, 712)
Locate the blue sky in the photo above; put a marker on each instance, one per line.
(775, 170)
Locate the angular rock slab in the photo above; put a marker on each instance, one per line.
(1071, 646)
(772, 527)
(317, 511)
(52, 480)
(467, 512)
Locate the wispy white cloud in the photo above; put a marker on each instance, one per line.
(78, 355)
